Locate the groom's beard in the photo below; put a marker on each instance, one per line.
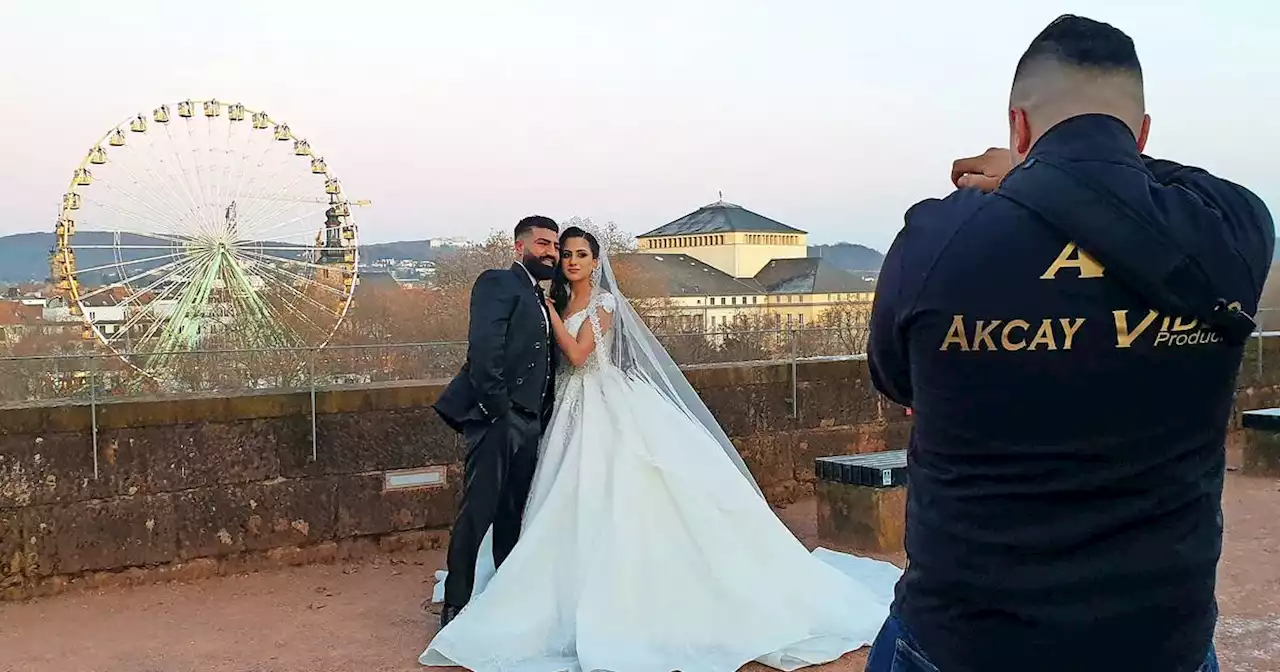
(539, 270)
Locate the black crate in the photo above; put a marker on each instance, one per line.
(873, 470)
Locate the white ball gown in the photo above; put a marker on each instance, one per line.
(644, 549)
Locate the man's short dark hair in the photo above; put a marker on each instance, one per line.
(1075, 41)
(535, 222)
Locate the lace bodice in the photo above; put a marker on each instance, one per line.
(591, 316)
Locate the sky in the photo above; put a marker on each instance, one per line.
(456, 118)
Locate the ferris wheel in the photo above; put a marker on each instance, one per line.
(204, 226)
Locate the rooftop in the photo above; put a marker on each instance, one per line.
(683, 275)
(15, 313)
(720, 217)
(811, 275)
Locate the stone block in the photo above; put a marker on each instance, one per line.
(366, 441)
(416, 540)
(769, 458)
(17, 559)
(748, 410)
(808, 445)
(45, 468)
(862, 519)
(228, 519)
(58, 467)
(356, 548)
(1261, 451)
(182, 457)
(835, 393)
(102, 534)
(364, 508)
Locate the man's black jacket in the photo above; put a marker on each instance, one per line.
(1066, 461)
(510, 359)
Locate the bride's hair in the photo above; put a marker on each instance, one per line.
(559, 283)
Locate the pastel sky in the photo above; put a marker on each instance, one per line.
(459, 117)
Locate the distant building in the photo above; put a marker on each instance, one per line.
(454, 241)
(723, 260)
(18, 320)
(374, 281)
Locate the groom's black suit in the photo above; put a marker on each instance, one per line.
(500, 401)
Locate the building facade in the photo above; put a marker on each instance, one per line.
(723, 261)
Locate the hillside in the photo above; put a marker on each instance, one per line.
(849, 256)
(417, 250)
(24, 256)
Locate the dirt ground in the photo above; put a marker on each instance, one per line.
(366, 617)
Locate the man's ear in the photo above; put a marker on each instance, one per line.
(1143, 133)
(1019, 132)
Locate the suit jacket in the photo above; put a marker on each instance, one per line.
(510, 359)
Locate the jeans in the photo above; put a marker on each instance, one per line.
(895, 650)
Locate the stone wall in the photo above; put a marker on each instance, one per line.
(197, 486)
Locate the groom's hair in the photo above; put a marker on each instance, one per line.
(1077, 64)
(532, 222)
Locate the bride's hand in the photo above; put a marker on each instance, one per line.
(551, 309)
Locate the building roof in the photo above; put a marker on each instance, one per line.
(720, 217)
(811, 275)
(681, 274)
(14, 313)
(378, 280)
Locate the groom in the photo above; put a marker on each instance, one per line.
(500, 402)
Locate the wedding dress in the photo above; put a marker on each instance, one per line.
(644, 548)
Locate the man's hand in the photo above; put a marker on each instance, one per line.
(982, 172)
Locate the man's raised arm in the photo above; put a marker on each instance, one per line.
(1248, 224)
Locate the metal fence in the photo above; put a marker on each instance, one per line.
(94, 377)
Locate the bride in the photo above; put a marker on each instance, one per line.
(646, 545)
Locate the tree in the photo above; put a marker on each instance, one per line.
(610, 236)
(847, 325)
(458, 270)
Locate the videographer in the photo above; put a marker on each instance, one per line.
(1067, 333)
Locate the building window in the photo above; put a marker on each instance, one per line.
(722, 301)
(735, 300)
(801, 319)
(754, 299)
